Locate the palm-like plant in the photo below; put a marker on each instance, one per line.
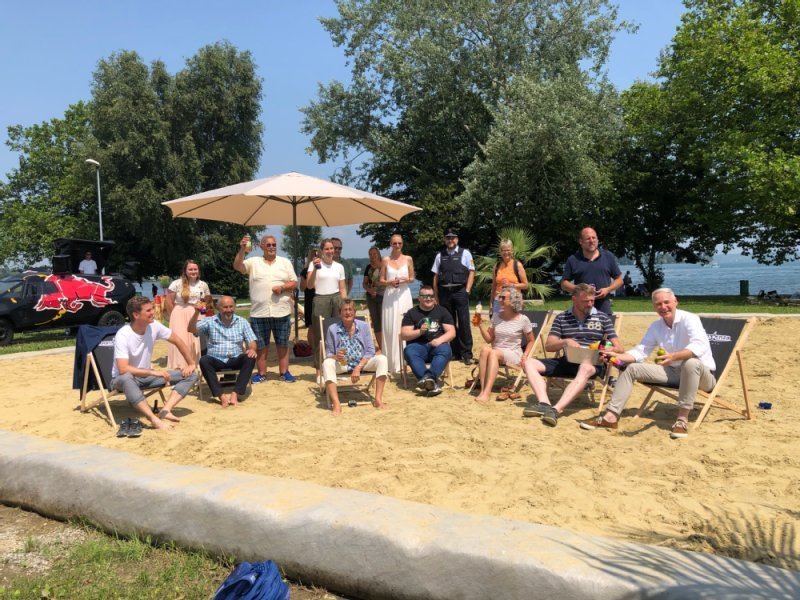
(532, 258)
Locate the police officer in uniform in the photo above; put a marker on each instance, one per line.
(453, 276)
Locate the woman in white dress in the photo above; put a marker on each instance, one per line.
(397, 272)
(182, 295)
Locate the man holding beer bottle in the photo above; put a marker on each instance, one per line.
(427, 330)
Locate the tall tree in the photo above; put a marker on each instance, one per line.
(307, 237)
(427, 79)
(732, 81)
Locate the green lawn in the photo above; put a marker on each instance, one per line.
(695, 304)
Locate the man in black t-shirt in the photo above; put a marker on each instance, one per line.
(427, 330)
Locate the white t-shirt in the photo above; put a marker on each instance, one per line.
(197, 291)
(328, 278)
(265, 276)
(88, 267)
(138, 349)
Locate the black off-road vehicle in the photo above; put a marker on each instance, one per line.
(62, 297)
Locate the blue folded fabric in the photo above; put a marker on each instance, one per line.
(254, 581)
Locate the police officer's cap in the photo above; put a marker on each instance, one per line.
(450, 232)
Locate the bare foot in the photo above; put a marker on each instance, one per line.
(165, 414)
(159, 424)
(378, 404)
(482, 399)
(336, 409)
(234, 399)
(225, 400)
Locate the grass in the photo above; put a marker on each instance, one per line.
(43, 339)
(115, 567)
(695, 304)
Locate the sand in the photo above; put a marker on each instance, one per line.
(732, 487)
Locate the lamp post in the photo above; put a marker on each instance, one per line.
(99, 204)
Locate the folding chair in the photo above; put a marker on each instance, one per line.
(562, 382)
(343, 383)
(220, 374)
(539, 320)
(727, 337)
(447, 376)
(100, 362)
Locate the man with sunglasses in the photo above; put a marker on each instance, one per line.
(272, 283)
(453, 275)
(348, 268)
(427, 330)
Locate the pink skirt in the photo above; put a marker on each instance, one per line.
(178, 322)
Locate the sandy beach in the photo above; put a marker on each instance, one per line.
(732, 487)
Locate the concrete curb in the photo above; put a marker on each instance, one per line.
(361, 544)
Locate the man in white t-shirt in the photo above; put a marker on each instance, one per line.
(132, 372)
(272, 283)
(87, 266)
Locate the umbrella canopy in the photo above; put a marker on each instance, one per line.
(290, 199)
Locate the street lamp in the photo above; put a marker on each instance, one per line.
(99, 204)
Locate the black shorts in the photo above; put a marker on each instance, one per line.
(561, 367)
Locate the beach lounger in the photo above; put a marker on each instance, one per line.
(97, 373)
(343, 383)
(727, 337)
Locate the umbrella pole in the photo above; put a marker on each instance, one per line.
(297, 272)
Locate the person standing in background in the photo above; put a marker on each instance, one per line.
(326, 276)
(348, 268)
(594, 266)
(374, 289)
(87, 266)
(182, 296)
(308, 295)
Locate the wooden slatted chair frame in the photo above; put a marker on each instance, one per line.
(447, 375)
(99, 362)
(723, 354)
(203, 340)
(343, 383)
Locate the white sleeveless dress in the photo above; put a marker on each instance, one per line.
(396, 301)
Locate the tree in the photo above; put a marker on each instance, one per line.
(427, 80)
(307, 237)
(532, 257)
(157, 137)
(732, 82)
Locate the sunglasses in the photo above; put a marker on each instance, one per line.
(337, 247)
(426, 296)
(502, 297)
(270, 245)
(397, 243)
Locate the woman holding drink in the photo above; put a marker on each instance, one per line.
(397, 271)
(182, 296)
(326, 277)
(374, 288)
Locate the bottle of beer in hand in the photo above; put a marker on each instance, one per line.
(476, 318)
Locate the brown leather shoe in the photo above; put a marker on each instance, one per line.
(598, 423)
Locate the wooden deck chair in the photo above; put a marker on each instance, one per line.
(562, 382)
(727, 337)
(539, 320)
(343, 383)
(203, 340)
(447, 375)
(100, 362)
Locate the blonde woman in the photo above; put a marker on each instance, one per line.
(397, 272)
(182, 295)
(508, 273)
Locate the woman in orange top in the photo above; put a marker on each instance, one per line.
(509, 272)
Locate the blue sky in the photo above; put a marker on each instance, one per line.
(50, 48)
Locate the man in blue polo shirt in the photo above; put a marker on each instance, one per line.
(578, 326)
(595, 266)
(227, 334)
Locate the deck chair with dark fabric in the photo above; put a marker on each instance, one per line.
(447, 375)
(727, 337)
(539, 319)
(97, 376)
(562, 382)
(343, 383)
(224, 375)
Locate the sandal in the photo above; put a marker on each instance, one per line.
(512, 395)
(502, 396)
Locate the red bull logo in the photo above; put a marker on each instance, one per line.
(74, 291)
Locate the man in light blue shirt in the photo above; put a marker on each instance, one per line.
(227, 335)
(686, 363)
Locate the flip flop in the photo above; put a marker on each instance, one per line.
(514, 396)
(502, 396)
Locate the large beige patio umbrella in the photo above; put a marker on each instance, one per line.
(290, 199)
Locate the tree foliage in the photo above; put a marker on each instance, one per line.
(157, 137)
(307, 238)
(428, 82)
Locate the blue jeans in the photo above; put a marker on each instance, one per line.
(418, 355)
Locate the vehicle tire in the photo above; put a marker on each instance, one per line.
(111, 317)
(6, 332)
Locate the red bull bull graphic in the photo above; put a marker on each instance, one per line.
(74, 291)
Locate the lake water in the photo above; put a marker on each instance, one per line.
(692, 280)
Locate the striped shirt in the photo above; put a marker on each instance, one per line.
(225, 341)
(596, 325)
